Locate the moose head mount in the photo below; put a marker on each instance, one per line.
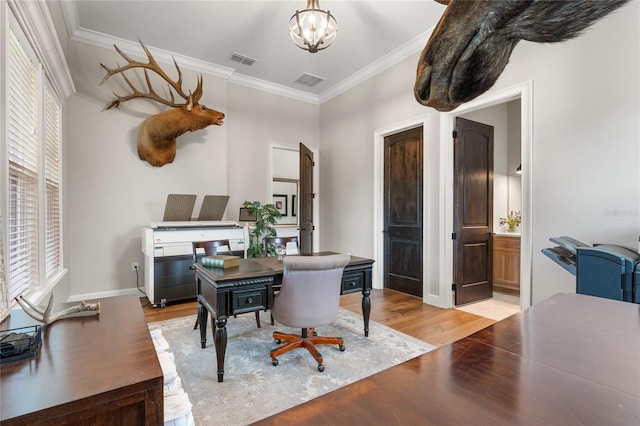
(158, 133)
(471, 44)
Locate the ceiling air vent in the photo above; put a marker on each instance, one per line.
(309, 80)
(237, 57)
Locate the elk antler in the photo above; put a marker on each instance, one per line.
(152, 65)
(45, 316)
(158, 133)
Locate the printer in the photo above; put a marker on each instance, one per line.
(602, 270)
(168, 250)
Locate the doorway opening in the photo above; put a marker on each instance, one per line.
(523, 92)
(427, 123)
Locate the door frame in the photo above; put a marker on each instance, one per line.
(316, 179)
(378, 198)
(524, 91)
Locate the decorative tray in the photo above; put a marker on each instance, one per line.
(20, 343)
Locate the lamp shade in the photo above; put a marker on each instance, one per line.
(313, 29)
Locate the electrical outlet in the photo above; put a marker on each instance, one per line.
(134, 266)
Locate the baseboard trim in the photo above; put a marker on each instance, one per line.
(103, 294)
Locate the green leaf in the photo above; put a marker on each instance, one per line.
(266, 215)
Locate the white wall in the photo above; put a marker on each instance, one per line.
(256, 120)
(349, 174)
(585, 173)
(112, 194)
(586, 181)
(585, 176)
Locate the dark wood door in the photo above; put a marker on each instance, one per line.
(403, 211)
(306, 199)
(473, 211)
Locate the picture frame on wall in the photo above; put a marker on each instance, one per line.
(293, 205)
(245, 216)
(281, 203)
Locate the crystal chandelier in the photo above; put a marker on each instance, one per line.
(313, 29)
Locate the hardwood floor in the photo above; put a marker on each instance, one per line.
(396, 310)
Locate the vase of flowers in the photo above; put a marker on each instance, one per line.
(511, 221)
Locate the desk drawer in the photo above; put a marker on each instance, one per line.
(352, 282)
(248, 300)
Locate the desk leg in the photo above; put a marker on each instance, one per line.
(366, 310)
(220, 340)
(203, 316)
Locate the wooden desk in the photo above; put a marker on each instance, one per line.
(570, 360)
(249, 287)
(90, 370)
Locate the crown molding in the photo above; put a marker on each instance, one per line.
(410, 48)
(133, 49)
(94, 38)
(277, 89)
(70, 15)
(76, 33)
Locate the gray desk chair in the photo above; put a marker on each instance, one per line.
(309, 297)
(211, 249)
(270, 244)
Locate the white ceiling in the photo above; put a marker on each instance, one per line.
(371, 36)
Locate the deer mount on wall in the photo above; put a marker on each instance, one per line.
(471, 44)
(158, 133)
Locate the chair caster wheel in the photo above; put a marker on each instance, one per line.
(274, 361)
(320, 368)
(342, 348)
(278, 341)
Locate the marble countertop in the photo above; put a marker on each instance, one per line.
(507, 234)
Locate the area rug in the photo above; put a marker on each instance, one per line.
(253, 388)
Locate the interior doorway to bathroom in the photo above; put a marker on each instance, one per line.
(505, 118)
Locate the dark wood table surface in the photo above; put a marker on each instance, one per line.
(99, 369)
(569, 360)
(249, 287)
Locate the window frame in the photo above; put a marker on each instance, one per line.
(33, 26)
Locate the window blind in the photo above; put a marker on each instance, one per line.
(23, 167)
(52, 137)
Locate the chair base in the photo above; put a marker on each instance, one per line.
(294, 341)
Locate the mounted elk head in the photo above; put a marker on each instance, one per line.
(473, 41)
(157, 136)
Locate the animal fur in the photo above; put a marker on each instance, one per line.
(158, 133)
(472, 43)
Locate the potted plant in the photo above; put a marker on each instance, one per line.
(266, 216)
